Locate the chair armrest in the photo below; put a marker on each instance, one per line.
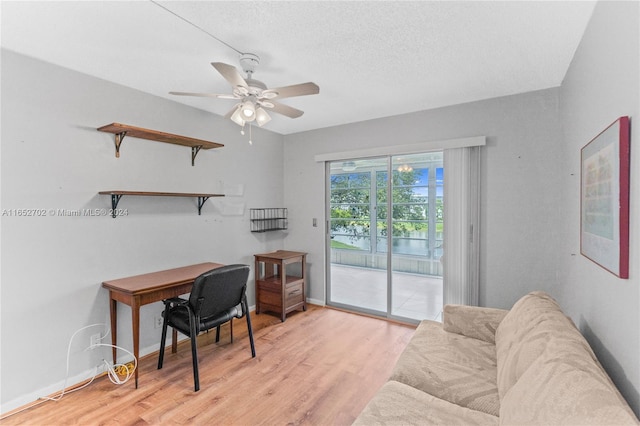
(175, 301)
(473, 321)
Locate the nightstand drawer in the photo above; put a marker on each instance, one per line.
(271, 298)
(293, 294)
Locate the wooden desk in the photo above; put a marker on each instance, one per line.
(148, 288)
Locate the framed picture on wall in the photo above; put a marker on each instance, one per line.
(604, 198)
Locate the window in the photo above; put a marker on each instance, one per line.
(351, 211)
(418, 208)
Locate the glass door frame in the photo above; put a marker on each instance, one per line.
(388, 160)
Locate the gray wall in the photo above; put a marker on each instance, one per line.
(53, 266)
(601, 85)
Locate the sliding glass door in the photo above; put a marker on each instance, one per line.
(393, 273)
(358, 272)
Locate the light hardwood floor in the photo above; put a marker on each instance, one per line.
(319, 367)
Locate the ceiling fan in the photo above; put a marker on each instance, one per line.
(254, 96)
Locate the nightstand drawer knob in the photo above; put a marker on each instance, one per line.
(294, 292)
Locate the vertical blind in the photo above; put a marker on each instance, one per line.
(461, 225)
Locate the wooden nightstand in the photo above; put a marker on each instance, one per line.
(277, 291)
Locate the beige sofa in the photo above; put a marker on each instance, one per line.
(529, 365)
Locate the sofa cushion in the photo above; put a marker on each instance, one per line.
(473, 321)
(456, 368)
(565, 386)
(524, 334)
(399, 404)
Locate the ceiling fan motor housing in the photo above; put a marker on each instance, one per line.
(249, 62)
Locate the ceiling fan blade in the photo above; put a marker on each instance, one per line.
(301, 89)
(230, 73)
(285, 110)
(205, 95)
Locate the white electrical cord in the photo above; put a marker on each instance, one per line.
(112, 371)
(115, 371)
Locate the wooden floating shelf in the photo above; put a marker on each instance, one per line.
(117, 195)
(122, 130)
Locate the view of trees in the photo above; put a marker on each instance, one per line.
(351, 205)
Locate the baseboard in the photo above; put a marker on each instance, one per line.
(33, 398)
(315, 301)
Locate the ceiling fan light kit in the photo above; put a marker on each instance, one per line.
(236, 117)
(249, 109)
(262, 117)
(253, 95)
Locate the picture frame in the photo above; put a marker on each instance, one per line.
(604, 198)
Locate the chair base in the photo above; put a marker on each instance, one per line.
(194, 346)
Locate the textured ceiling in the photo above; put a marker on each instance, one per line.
(371, 59)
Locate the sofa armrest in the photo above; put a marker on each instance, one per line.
(473, 321)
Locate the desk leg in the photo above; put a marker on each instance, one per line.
(135, 323)
(174, 340)
(113, 308)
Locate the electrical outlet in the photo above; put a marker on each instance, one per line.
(157, 321)
(94, 340)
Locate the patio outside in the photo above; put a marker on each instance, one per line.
(414, 296)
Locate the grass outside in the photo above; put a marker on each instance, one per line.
(339, 245)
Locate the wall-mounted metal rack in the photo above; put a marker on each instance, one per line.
(268, 219)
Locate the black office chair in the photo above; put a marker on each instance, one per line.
(217, 297)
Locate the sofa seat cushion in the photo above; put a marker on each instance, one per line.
(449, 366)
(565, 386)
(399, 404)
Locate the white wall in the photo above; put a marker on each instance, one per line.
(520, 175)
(601, 85)
(53, 266)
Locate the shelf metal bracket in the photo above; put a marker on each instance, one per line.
(115, 199)
(119, 138)
(194, 152)
(201, 201)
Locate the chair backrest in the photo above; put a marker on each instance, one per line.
(221, 289)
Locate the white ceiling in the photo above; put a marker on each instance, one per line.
(371, 59)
